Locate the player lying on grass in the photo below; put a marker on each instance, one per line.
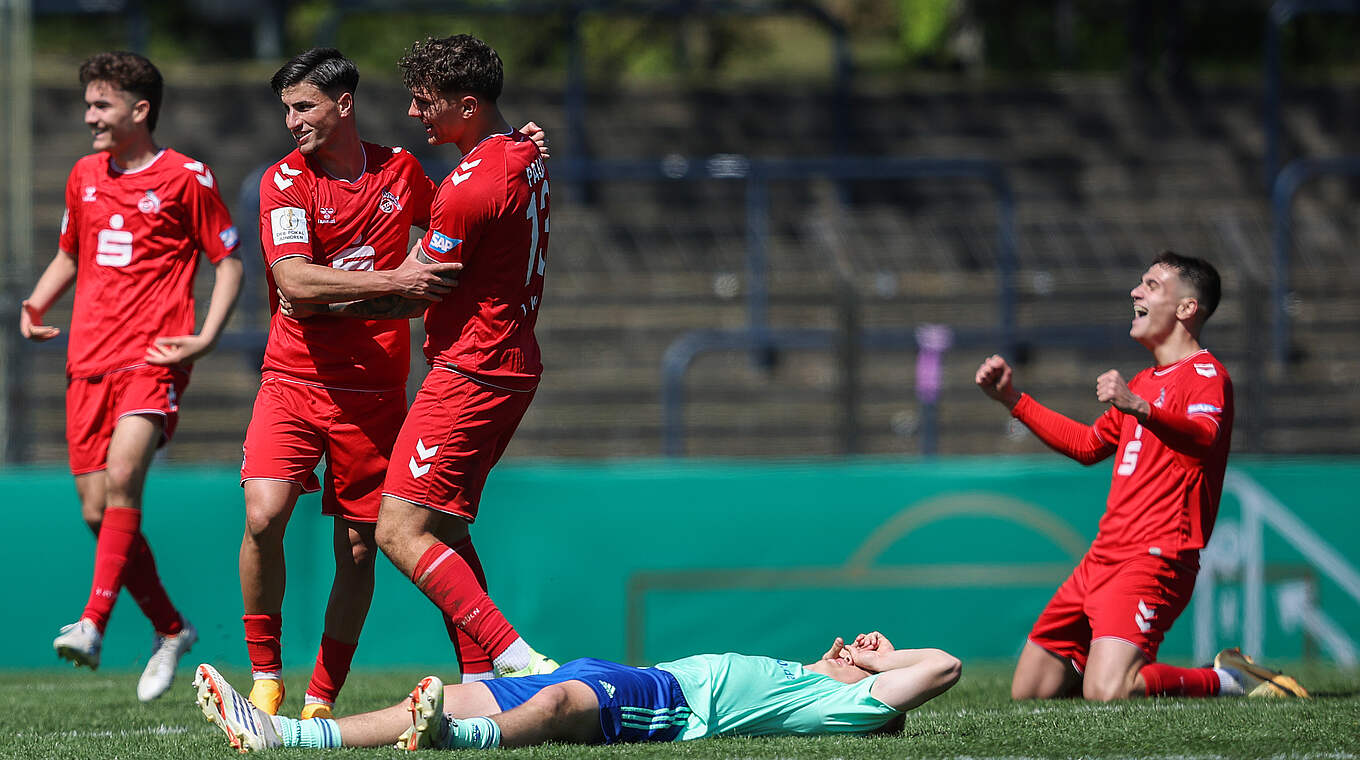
(858, 688)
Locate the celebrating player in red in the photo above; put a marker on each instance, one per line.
(136, 217)
(335, 217)
(491, 215)
(1170, 426)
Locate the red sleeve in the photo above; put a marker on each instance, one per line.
(1062, 433)
(285, 229)
(209, 220)
(422, 195)
(461, 209)
(1195, 430)
(70, 237)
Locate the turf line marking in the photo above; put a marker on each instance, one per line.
(161, 730)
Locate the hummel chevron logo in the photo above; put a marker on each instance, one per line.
(1143, 617)
(280, 181)
(420, 469)
(468, 166)
(201, 173)
(459, 179)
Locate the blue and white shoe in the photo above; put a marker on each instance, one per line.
(247, 727)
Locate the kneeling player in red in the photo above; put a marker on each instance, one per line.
(1171, 425)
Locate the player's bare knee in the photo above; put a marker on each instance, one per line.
(1104, 689)
(265, 521)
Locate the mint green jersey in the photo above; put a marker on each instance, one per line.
(736, 694)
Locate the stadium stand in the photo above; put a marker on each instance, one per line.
(1103, 180)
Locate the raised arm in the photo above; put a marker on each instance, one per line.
(1192, 434)
(1062, 433)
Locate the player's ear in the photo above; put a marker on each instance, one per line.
(141, 110)
(1188, 308)
(467, 106)
(345, 103)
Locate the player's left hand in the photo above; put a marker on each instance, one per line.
(178, 349)
(839, 651)
(539, 136)
(1111, 389)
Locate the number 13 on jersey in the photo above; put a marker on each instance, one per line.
(537, 214)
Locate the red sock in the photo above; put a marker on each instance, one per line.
(472, 659)
(262, 642)
(119, 530)
(1170, 681)
(332, 667)
(449, 582)
(144, 584)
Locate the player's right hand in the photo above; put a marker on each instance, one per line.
(994, 378)
(31, 326)
(424, 280)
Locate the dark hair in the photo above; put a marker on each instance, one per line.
(327, 68)
(130, 73)
(1200, 275)
(448, 65)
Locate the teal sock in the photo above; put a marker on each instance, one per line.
(316, 733)
(475, 733)
(290, 730)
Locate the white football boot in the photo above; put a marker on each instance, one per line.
(80, 643)
(160, 667)
(247, 727)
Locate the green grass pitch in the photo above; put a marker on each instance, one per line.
(78, 715)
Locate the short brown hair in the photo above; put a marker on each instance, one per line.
(132, 74)
(447, 65)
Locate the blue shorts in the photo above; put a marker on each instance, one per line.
(636, 704)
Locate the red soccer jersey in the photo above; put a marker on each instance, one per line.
(135, 236)
(1168, 475)
(491, 214)
(358, 226)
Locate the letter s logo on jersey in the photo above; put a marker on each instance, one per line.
(289, 225)
(441, 243)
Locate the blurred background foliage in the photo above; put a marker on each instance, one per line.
(634, 41)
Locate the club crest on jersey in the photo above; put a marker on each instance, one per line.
(441, 243)
(289, 225)
(1207, 370)
(149, 203)
(89, 194)
(389, 202)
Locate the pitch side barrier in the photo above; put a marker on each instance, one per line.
(1282, 192)
(758, 337)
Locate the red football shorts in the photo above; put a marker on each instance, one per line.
(1136, 601)
(455, 433)
(95, 404)
(293, 425)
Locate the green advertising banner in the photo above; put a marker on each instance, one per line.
(643, 561)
